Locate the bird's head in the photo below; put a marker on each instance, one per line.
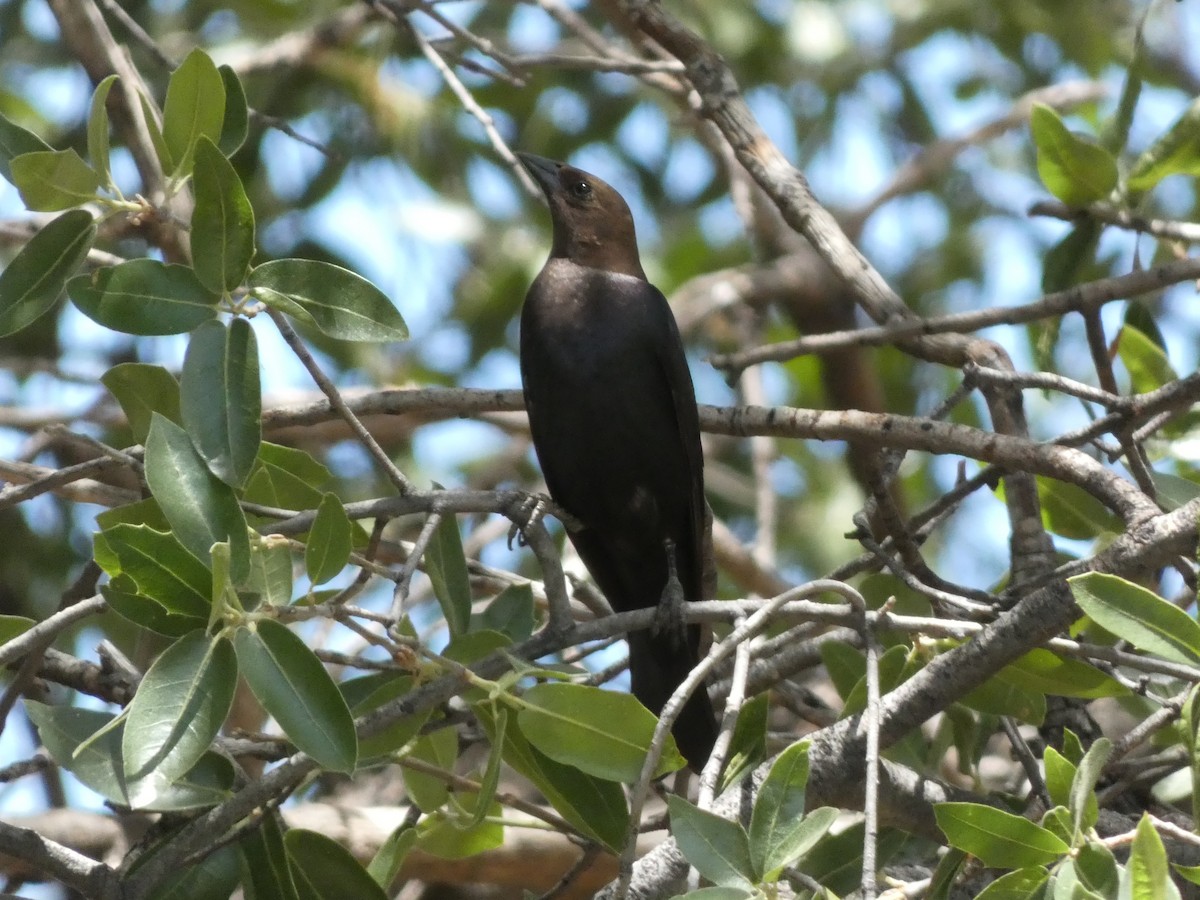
(592, 222)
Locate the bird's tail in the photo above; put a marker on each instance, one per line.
(658, 665)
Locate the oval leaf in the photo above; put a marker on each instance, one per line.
(161, 567)
(195, 107)
(780, 833)
(1000, 839)
(143, 296)
(327, 868)
(222, 233)
(446, 566)
(142, 390)
(1074, 168)
(1139, 616)
(32, 282)
(202, 509)
(342, 304)
(292, 685)
(180, 706)
(237, 113)
(16, 141)
(329, 541)
(221, 399)
(573, 724)
(63, 729)
(718, 848)
(97, 129)
(50, 180)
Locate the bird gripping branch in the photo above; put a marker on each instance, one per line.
(613, 415)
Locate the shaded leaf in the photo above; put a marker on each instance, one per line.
(221, 398)
(780, 832)
(16, 141)
(160, 567)
(97, 129)
(202, 509)
(292, 685)
(33, 280)
(327, 550)
(194, 108)
(236, 124)
(1022, 884)
(446, 566)
(327, 868)
(179, 708)
(222, 235)
(510, 613)
(1175, 152)
(142, 390)
(143, 296)
(50, 180)
(446, 835)
(718, 848)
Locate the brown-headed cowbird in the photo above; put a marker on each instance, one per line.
(613, 415)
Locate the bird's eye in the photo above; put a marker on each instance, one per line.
(581, 190)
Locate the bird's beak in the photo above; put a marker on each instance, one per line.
(544, 171)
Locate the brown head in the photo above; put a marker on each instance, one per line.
(592, 222)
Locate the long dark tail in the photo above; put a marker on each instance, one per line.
(658, 665)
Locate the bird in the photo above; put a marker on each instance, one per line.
(612, 413)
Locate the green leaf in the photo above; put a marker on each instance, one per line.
(98, 765)
(1065, 264)
(328, 548)
(215, 877)
(1147, 875)
(236, 125)
(1072, 512)
(452, 836)
(1176, 152)
(154, 127)
(1074, 168)
(594, 806)
(573, 724)
(719, 849)
(271, 573)
(846, 666)
(50, 180)
(222, 233)
(510, 613)
(1174, 491)
(97, 130)
(342, 304)
(749, 744)
(385, 866)
(179, 708)
(1047, 672)
(122, 595)
(143, 296)
(194, 108)
(33, 280)
(13, 627)
(780, 832)
(1060, 774)
(1000, 839)
(267, 875)
(1135, 614)
(292, 685)
(142, 390)
(446, 566)
(1023, 884)
(327, 868)
(1003, 698)
(202, 509)
(1084, 806)
(221, 399)
(16, 141)
(1096, 868)
(720, 893)
(376, 690)
(160, 567)
(1147, 363)
(1190, 873)
(836, 861)
(437, 748)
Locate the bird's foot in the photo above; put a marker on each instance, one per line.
(668, 615)
(530, 511)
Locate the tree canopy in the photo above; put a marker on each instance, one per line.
(282, 610)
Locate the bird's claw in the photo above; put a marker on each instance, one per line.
(530, 511)
(668, 615)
